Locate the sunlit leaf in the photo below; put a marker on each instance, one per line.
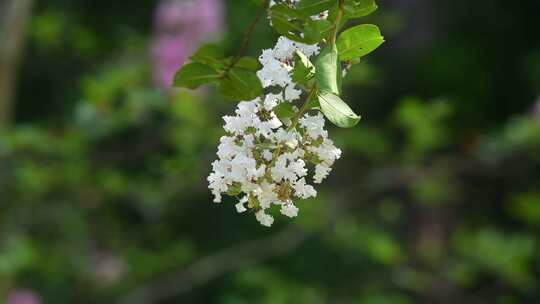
(359, 41)
(337, 111)
(327, 69)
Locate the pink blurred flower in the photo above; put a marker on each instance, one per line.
(180, 27)
(23, 296)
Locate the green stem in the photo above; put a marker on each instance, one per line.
(303, 109)
(333, 35)
(293, 125)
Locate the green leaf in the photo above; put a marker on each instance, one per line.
(327, 68)
(359, 8)
(337, 111)
(285, 21)
(303, 70)
(297, 26)
(240, 84)
(209, 54)
(313, 104)
(248, 63)
(289, 12)
(316, 30)
(314, 7)
(284, 110)
(194, 74)
(359, 41)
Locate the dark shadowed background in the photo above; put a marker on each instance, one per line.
(103, 193)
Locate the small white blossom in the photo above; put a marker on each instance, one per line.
(291, 93)
(303, 190)
(314, 125)
(321, 172)
(267, 155)
(240, 206)
(289, 210)
(271, 101)
(264, 219)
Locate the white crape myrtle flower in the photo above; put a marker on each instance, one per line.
(240, 207)
(264, 219)
(265, 161)
(291, 93)
(321, 172)
(277, 64)
(304, 190)
(289, 210)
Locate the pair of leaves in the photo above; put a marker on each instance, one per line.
(328, 79)
(297, 24)
(210, 66)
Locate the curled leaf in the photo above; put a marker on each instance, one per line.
(337, 111)
(327, 70)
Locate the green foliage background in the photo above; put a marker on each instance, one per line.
(436, 199)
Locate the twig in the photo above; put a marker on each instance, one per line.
(304, 108)
(247, 35)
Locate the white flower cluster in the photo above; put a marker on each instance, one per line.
(264, 160)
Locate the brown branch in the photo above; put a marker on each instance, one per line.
(12, 33)
(247, 35)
